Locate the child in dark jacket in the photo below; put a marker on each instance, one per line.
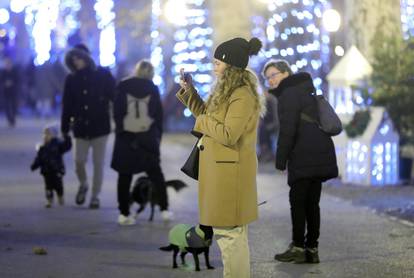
(49, 159)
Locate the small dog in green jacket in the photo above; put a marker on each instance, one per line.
(187, 239)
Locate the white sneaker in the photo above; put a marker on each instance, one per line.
(126, 220)
(167, 215)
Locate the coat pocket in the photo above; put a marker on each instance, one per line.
(213, 151)
(223, 154)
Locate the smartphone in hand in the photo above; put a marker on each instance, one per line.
(184, 75)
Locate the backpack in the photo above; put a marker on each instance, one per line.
(137, 118)
(328, 121)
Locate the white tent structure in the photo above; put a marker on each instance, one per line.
(372, 158)
(349, 71)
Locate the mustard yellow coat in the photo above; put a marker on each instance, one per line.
(228, 161)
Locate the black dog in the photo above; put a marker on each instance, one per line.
(144, 191)
(187, 239)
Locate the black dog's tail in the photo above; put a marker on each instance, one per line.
(176, 184)
(167, 248)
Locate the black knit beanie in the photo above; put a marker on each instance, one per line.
(236, 52)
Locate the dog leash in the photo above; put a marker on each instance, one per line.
(266, 201)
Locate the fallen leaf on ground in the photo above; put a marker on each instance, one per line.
(39, 251)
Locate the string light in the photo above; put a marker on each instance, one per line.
(107, 42)
(156, 50)
(40, 18)
(293, 32)
(192, 45)
(69, 10)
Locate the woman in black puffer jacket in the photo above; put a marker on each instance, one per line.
(306, 151)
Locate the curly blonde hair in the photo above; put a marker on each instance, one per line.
(232, 79)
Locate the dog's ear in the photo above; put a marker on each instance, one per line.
(208, 231)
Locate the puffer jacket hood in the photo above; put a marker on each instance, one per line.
(81, 54)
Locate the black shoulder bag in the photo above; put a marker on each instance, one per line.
(190, 167)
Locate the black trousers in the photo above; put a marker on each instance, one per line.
(304, 197)
(53, 182)
(10, 107)
(124, 189)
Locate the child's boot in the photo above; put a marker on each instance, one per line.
(48, 203)
(61, 200)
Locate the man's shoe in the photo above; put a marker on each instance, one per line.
(80, 196)
(312, 255)
(94, 204)
(292, 254)
(126, 220)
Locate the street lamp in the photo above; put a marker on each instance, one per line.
(4, 16)
(339, 50)
(176, 11)
(331, 20)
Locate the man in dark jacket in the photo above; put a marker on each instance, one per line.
(87, 94)
(308, 154)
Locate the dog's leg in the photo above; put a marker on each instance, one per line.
(206, 256)
(197, 263)
(175, 250)
(152, 212)
(140, 209)
(182, 255)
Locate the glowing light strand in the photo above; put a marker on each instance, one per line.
(156, 50)
(295, 26)
(192, 45)
(107, 42)
(40, 18)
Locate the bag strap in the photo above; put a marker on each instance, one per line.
(305, 117)
(308, 118)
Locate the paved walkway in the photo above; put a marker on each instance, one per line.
(84, 243)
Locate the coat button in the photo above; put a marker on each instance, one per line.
(85, 92)
(86, 107)
(201, 147)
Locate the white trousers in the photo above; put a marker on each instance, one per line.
(234, 248)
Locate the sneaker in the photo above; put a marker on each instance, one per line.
(126, 220)
(167, 215)
(48, 204)
(312, 255)
(80, 196)
(94, 204)
(61, 200)
(292, 254)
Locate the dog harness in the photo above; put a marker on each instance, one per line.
(184, 235)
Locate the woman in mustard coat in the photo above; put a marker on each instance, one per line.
(228, 121)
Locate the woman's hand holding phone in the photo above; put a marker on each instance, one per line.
(186, 81)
